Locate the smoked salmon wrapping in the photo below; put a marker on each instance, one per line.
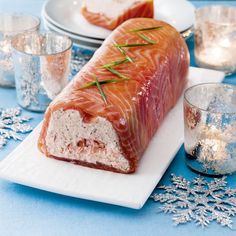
(107, 115)
(111, 13)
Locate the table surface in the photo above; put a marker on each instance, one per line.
(27, 211)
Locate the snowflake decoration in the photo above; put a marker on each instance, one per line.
(29, 86)
(29, 90)
(199, 201)
(12, 123)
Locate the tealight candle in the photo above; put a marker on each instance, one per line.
(10, 25)
(215, 38)
(210, 128)
(42, 68)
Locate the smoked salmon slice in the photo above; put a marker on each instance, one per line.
(107, 115)
(111, 13)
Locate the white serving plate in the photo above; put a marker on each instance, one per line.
(74, 36)
(27, 166)
(79, 41)
(66, 16)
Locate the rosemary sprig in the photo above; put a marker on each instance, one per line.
(115, 63)
(109, 66)
(146, 38)
(108, 81)
(124, 53)
(146, 29)
(131, 45)
(104, 97)
(115, 72)
(88, 85)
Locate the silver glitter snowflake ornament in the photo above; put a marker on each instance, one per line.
(11, 124)
(198, 200)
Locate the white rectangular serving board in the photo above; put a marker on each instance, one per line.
(27, 166)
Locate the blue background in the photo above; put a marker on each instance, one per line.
(26, 211)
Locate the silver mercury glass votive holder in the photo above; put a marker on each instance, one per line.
(42, 68)
(10, 25)
(210, 128)
(215, 38)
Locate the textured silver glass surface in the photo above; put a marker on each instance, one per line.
(215, 38)
(42, 67)
(210, 128)
(10, 25)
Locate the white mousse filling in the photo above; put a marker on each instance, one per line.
(69, 137)
(109, 8)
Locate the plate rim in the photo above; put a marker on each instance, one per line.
(77, 42)
(75, 36)
(66, 28)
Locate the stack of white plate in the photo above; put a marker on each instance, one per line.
(64, 17)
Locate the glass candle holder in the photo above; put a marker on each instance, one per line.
(10, 25)
(215, 38)
(210, 128)
(42, 67)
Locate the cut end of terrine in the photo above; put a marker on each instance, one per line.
(92, 143)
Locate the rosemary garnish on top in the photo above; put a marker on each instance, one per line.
(104, 97)
(116, 72)
(98, 84)
(146, 29)
(127, 59)
(115, 63)
(131, 45)
(109, 66)
(124, 53)
(145, 38)
(101, 82)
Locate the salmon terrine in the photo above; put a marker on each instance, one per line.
(107, 115)
(111, 13)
